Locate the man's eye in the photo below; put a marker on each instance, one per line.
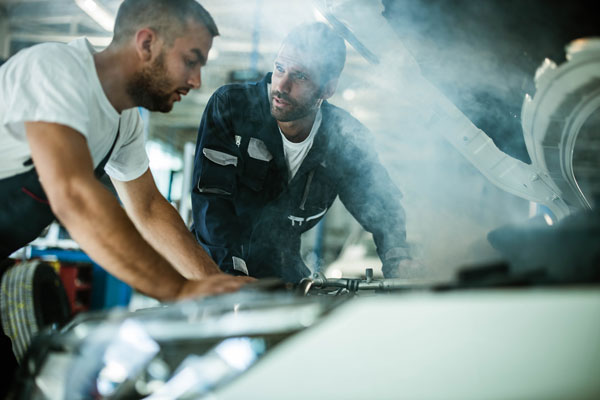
(189, 63)
(279, 68)
(301, 77)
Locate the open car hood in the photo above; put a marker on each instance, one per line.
(566, 97)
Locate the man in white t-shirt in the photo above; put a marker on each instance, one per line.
(68, 114)
(273, 155)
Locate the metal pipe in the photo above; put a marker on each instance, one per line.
(319, 281)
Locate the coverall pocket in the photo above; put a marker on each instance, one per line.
(217, 175)
(255, 173)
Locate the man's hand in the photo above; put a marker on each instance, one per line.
(213, 284)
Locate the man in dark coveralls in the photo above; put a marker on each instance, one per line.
(272, 156)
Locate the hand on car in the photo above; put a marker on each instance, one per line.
(213, 284)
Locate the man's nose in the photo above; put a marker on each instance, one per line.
(284, 84)
(195, 80)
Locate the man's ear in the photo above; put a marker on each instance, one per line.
(145, 43)
(329, 88)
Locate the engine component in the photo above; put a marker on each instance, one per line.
(182, 350)
(563, 114)
(318, 284)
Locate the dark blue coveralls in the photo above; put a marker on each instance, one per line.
(243, 205)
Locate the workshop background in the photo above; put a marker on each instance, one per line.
(482, 55)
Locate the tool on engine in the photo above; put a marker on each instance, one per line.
(317, 283)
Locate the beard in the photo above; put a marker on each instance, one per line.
(151, 88)
(295, 111)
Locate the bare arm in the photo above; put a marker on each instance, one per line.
(163, 228)
(95, 219)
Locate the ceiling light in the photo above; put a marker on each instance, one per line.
(348, 94)
(319, 16)
(98, 13)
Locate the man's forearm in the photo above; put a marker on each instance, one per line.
(97, 222)
(164, 229)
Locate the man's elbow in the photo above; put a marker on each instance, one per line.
(67, 199)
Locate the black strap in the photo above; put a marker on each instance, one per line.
(99, 171)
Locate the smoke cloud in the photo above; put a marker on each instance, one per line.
(482, 56)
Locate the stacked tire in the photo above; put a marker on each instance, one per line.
(31, 299)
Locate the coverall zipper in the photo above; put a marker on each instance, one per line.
(306, 189)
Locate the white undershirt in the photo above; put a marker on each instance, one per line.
(295, 153)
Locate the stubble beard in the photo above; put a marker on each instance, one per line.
(295, 112)
(151, 88)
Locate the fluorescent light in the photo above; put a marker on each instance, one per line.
(349, 94)
(318, 16)
(98, 13)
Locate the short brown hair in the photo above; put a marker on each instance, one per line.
(168, 18)
(321, 45)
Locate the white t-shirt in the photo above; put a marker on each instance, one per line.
(58, 83)
(295, 153)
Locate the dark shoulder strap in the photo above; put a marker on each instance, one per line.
(99, 171)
